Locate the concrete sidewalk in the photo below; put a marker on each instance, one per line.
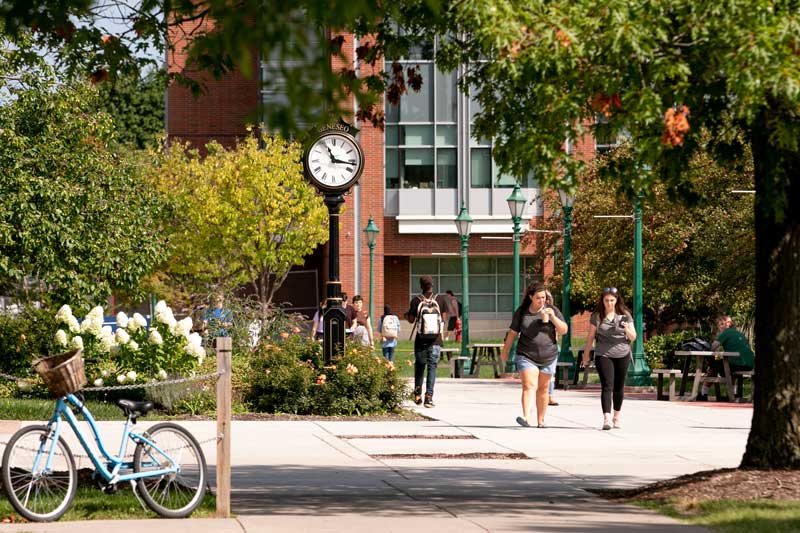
(333, 476)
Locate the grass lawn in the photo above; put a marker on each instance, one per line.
(93, 504)
(36, 409)
(733, 516)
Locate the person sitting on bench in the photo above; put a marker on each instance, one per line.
(729, 339)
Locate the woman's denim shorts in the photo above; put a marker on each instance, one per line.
(523, 363)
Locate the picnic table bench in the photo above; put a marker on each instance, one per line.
(672, 373)
(456, 361)
(698, 374)
(486, 353)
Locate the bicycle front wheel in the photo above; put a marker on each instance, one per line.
(39, 492)
(178, 494)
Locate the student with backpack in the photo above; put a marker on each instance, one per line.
(389, 328)
(427, 311)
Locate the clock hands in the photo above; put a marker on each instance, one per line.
(334, 160)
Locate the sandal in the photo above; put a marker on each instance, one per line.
(552, 402)
(616, 423)
(606, 425)
(522, 422)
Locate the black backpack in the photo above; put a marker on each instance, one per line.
(695, 344)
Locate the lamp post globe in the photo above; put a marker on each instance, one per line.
(463, 226)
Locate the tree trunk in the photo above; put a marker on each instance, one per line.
(774, 440)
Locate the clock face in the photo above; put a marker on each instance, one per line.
(334, 162)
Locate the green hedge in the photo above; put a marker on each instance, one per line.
(24, 337)
(659, 350)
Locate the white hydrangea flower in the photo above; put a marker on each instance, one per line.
(77, 342)
(162, 375)
(184, 327)
(134, 346)
(131, 375)
(195, 338)
(96, 313)
(106, 331)
(137, 321)
(95, 325)
(98, 382)
(121, 378)
(104, 373)
(63, 314)
(155, 337)
(122, 320)
(106, 343)
(61, 337)
(72, 322)
(85, 325)
(160, 306)
(122, 336)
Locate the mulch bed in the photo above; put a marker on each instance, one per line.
(400, 416)
(724, 484)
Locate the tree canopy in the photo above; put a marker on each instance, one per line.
(244, 216)
(76, 218)
(698, 261)
(136, 105)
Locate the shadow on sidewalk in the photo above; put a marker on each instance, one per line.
(457, 488)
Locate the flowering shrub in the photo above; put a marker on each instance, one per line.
(289, 376)
(134, 352)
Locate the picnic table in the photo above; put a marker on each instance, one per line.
(698, 373)
(484, 353)
(455, 360)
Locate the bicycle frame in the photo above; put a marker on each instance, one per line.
(111, 470)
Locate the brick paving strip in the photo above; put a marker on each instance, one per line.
(445, 437)
(471, 455)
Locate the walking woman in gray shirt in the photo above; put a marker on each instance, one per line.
(611, 327)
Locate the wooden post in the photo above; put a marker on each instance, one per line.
(224, 347)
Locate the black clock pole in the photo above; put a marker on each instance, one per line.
(334, 320)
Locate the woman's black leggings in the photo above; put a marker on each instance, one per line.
(612, 373)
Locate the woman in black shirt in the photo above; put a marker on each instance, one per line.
(536, 324)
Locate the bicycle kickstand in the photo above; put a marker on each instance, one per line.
(136, 493)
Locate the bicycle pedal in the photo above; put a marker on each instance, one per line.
(110, 489)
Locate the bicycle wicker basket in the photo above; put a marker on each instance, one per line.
(63, 374)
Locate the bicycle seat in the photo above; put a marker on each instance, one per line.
(130, 407)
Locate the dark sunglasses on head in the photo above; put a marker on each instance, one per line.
(610, 290)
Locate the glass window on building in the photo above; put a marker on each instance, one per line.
(491, 280)
(604, 136)
(421, 135)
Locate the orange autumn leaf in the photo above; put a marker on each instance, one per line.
(676, 125)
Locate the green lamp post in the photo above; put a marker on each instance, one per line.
(371, 233)
(640, 376)
(463, 225)
(567, 201)
(516, 204)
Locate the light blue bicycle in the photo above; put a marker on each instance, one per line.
(168, 470)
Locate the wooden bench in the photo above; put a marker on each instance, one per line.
(740, 384)
(660, 373)
(563, 381)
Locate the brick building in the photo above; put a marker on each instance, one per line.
(418, 171)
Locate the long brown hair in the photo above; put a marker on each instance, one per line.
(530, 290)
(619, 307)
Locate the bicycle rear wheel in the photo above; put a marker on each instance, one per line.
(38, 493)
(171, 495)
